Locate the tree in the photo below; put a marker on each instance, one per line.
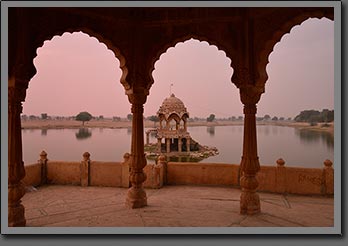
(307, 115)
(267, 117)
(211, 118)
(129, 117)
(281, 118)
(44, 116)
(83, 116)
(315, 116)
(24, 117)
(275, 118)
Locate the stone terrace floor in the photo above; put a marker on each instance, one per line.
(171, 206)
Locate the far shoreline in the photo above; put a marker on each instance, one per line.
(108, 123)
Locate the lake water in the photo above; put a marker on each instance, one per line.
(300, 148)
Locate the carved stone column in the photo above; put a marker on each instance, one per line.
(188, 144)
(136, 197)
(249, 199)
(179, 145)
(147, 137)
(16, 171)
(159, 143)
(168, 144)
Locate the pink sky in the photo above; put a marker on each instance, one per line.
(77, 73)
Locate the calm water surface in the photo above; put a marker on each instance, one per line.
(297, 147)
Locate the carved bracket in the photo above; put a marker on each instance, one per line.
(250, 94)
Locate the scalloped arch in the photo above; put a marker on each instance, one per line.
(174, 116)
(163, 48)
(108, 43)
(263, 58)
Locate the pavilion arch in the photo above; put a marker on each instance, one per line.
(39, 42)
(174, 116)
(285, 28)
(163, 47)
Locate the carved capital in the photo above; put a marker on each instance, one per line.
(137, 95)
(241, 75)
(249, 109)
(250, 94)
(16, 95)
(137, 109)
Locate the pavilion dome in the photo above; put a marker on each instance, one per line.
(172, 105)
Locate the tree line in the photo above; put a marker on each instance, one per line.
(311, 116)
(315, 116)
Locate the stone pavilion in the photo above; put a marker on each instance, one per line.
(173, 117)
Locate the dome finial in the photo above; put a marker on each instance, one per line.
(170, 89)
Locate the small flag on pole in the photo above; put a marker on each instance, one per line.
(170, 89)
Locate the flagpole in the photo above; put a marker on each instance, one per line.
(170, 89)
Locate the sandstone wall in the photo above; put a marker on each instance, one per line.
(280, 179)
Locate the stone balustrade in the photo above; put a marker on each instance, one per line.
(278, 178)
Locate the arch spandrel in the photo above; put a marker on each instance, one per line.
(170, 36)
(51, 28)
(101, 38)
(268, 35)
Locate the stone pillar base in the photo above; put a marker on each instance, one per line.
(136, 198)
(16, 216)
(249, 203)
(16, 210)
(249, 199)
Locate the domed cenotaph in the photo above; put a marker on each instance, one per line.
(173, 139)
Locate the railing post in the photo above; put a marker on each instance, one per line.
(328, 178)
(160, 171)
(125, 171)
(162, 161)
(84, 169)
(280, 176)
(43, 162)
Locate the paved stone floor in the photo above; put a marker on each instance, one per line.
(171, 206)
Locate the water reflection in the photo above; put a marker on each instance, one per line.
(298, 148)
(309, 137)
(211, 130)
(43, 132)
(275, 131)
(129, 131)
(83, 133)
